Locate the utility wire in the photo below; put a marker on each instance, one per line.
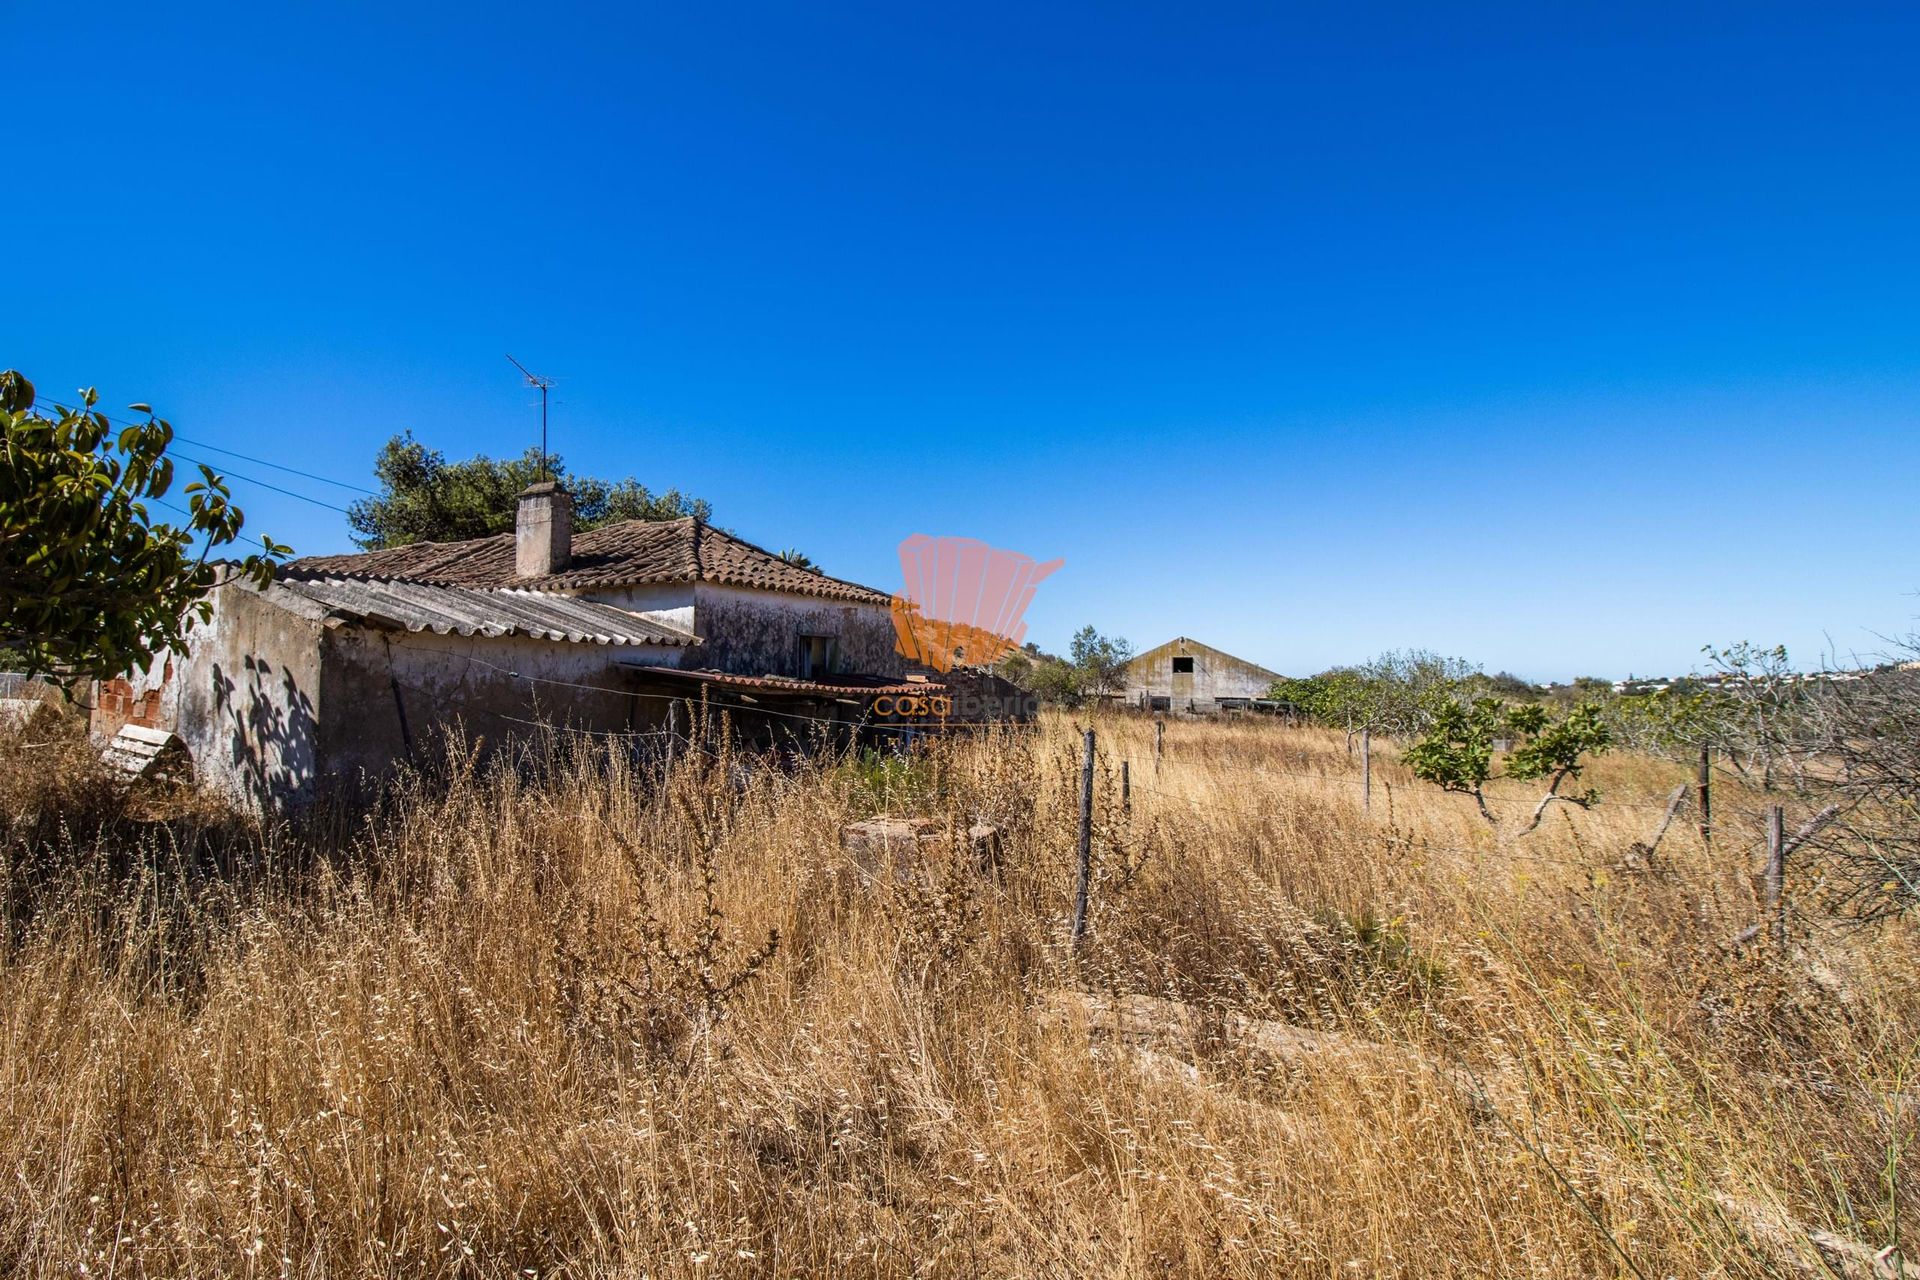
(235, 453)
(1262, 771)
(1422, 845)
(308, 475)
(264, 484)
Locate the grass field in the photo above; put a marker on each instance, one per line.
(567, 1020)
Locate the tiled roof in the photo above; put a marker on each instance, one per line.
(631, 553)
(444, 610)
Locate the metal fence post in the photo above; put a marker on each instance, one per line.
(1085, 859)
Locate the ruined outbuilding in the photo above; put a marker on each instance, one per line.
(1186, 677)
(346, 666)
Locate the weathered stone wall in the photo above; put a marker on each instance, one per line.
(246, 692)
(756, 633)
(396, 694)
(243, 694)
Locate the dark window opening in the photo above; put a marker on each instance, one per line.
(1183, 666)
(816, 657)
(1162, 704)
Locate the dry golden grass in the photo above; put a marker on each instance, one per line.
(496, 1029)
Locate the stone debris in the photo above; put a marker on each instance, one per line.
(905, 845)
(1153, 1029)
(139, 752)
(1170, 1026)
(21, 715)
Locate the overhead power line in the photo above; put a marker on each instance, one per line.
(235, 453)
(235, 475)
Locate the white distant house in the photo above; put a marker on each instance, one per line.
(1186, 677)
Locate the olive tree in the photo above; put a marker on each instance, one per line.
(425, 498)
(1762, 707)
(1394, 693)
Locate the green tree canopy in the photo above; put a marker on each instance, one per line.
(425, 498)
(1456, 752)
(1096, 664)
(1392, 693)
(1101, 661)
(90, 584)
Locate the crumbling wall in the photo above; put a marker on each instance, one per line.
(758, 633)
(242, 694)
(135, 698)
(397, 695)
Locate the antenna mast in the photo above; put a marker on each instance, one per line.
(545, 385)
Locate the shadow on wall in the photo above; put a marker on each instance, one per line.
(271, 731)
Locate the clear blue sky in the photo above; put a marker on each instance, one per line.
(1564, 343)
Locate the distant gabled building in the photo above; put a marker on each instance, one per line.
(1189, 678)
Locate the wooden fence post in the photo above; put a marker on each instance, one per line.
(1366, 769)
(1126, 787)
(1703, 781)
(1085, 860)
(1651, 845)
(1159, 737)
(673, 733)
(1777, 871)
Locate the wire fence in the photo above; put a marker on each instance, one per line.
(704, 713)
(697, 704)
(1346, 780)
(1778, 906)
(1411, 843)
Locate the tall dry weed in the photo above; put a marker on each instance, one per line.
(561, 1014)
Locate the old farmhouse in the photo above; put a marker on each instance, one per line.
(348, 665)
(1189, 678)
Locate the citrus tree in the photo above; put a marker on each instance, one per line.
(91, 583)
(1456, 752)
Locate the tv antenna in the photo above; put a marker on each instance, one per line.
(545, 385)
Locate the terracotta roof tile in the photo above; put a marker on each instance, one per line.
(632, 553)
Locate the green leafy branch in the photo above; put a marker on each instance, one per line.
(91, 585)
(1456, 753)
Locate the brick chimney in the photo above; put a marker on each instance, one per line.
(542, 531)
